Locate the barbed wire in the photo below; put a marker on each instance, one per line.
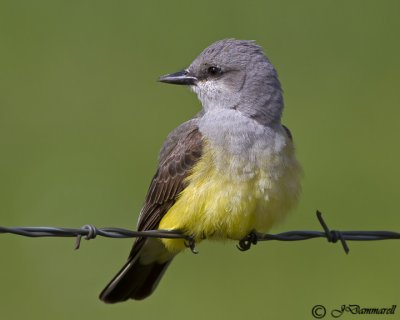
(91, 232)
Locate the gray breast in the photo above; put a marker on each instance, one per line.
(240, 145)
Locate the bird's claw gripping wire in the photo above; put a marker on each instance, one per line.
(91, 234)
(191, 244)
(332, 235)
(247, 241)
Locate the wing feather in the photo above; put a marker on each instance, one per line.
(182, 149)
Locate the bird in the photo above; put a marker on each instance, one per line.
(226, 173)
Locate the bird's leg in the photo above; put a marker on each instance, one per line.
(247, 241)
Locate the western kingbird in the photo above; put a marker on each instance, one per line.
(227, 172)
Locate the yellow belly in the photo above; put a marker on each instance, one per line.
(217, 205)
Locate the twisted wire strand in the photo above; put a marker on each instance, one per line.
(91, 232)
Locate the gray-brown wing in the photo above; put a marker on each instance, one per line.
(289, 134)
(176, 161)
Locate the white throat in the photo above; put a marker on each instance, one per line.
(213, 95)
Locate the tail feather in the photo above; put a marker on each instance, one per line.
(151, 281)
(136, 280)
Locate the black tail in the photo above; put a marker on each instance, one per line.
(135, 280)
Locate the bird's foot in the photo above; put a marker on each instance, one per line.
(247, 241)
(191, 244)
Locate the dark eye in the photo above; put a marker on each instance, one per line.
(213, 70)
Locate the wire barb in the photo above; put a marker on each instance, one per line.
(332, 235)
(90, 232)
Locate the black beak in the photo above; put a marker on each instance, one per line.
(182, 77)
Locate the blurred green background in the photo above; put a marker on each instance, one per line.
(82, 119)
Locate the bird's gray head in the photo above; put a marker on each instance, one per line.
(234, 74)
